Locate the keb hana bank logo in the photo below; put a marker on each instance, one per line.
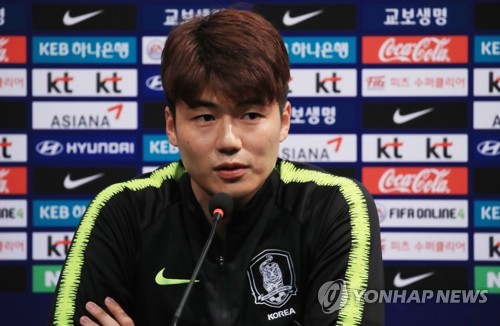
(415, 180)
(415, 49)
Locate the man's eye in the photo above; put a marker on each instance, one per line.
(252, 116)
(205, 118)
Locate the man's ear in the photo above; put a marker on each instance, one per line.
(285, 121)
(170, 127)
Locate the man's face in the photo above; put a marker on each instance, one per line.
(226, 146)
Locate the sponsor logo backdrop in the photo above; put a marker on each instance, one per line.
(403, 96)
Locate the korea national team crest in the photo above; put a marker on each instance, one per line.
(272, 277)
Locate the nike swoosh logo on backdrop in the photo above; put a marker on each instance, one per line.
(70, 21)
(72, 184)
(161, 280)
(291, 21)
(399, 118)
(403, 282)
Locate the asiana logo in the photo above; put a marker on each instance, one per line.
(272, 278)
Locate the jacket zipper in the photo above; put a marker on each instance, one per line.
(222, 302)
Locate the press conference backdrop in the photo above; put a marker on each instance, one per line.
(402, 95)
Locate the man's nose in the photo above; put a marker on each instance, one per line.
(228, 137)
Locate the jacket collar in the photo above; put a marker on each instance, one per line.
(244, 221)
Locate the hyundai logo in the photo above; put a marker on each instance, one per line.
(154, 83)
(49, 148)
(489, 147)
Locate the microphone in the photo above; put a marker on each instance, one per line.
(220, 204)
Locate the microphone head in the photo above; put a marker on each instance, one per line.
(221, 201)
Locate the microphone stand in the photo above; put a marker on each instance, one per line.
(216, 218)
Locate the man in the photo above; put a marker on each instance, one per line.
(297, 236)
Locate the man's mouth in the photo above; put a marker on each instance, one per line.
(231, 171)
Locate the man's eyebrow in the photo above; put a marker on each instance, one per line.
(207, 104)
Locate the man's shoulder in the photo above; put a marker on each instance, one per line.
(161, 181)
(313, 193)
(303, 173)
(309, 183)
(159, 177)
(142, 198)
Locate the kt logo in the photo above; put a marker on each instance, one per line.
(321, 83)
(494, 248)
(494, 83)
(103, 83)
(55, 83)
(4, 145)
(54, 247)
(432, 149)
(383, 149)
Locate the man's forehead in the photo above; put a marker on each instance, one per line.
(215, 98)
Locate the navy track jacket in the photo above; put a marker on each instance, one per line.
(300, 253)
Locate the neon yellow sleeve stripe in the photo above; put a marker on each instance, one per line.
(70, 277)
(357, 268)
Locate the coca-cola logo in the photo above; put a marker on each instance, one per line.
(426, 181)
(3, 49)
(428, 49)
